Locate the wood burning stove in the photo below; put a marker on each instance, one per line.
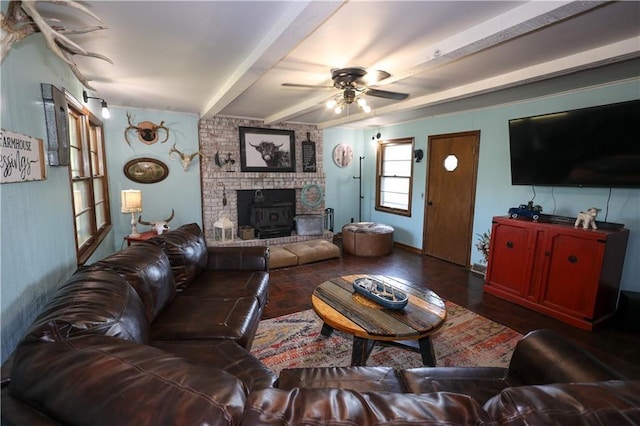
(269, 212)
(271, 220)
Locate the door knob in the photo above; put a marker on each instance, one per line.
(430, 203)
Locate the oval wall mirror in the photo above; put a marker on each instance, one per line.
(146, 170)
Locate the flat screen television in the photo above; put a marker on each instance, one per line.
(588, 147)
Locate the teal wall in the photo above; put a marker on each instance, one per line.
(342, 189)
(36, 228)
(494, 193)
(179, 191)
(37, 249)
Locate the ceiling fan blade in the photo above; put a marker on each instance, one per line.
(373, 77)
(386, 94)
(306, 86)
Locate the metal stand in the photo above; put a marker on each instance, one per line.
(328, 219)
(360, 191)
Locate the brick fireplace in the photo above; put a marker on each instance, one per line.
(220, 135)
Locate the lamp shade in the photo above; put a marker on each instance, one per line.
(131, 200)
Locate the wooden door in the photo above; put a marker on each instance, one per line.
(450, 200)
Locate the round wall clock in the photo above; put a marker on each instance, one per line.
(342, 155)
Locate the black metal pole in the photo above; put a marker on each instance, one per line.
(360, 191)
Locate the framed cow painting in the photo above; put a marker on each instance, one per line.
(267, 150)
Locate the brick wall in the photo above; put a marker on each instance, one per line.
(221, 135)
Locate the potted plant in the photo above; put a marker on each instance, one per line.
(483, 245)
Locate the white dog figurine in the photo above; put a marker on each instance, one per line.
(587, 218)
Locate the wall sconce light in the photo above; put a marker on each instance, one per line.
(418, 154)
(377, 136)
(131, 201)
(105, 109)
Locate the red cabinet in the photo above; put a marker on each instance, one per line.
(570, 274)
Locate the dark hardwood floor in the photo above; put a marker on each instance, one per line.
(291, 290)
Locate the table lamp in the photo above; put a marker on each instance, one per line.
(131, 200)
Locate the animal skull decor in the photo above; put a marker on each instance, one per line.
(148, 132)
(185, 159)
(160, 226)
(23, 19)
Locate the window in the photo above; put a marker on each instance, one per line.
(88, 177)
(394, 176)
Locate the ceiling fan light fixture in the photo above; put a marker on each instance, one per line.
(361, 102)
(338, 109)
(331, 104)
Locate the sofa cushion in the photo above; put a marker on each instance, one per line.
(481, 383)
(99, 380)
(346, 407)
(226, 355)
(280, 257)
(230, 284)
(196, 318)
(17, 412)
(147, 269)
(362, 379)
(596, 403)
(186, 249)
(544, 356)
(94, 300)
(313, 250)
(231, 258)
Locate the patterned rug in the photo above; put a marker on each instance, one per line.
(466, 339)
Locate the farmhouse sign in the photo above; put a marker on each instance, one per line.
(21, 158)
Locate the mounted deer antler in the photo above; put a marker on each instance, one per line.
(23, 20)
(185, 159)
(146, 130)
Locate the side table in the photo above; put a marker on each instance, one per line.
(142, 237)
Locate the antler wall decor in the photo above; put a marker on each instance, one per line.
(146, 130)
(23, 19)
(185, 159)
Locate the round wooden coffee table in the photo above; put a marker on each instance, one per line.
(341, 308)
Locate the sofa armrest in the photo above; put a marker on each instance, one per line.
(228, 258)
(543, 357)
(106, 380)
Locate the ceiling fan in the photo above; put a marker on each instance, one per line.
(353, 82)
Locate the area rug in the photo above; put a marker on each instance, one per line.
(466, 339)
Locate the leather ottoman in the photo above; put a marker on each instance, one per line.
(367, 239)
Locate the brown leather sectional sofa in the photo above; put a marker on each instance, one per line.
(159, 334)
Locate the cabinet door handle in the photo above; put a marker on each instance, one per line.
(572, 259)
(509, 244)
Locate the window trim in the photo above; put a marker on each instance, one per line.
(87, 120)
(379, 176)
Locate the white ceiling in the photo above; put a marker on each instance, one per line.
(231, 57)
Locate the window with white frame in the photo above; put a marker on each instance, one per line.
(88, 177)
(394, 176)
